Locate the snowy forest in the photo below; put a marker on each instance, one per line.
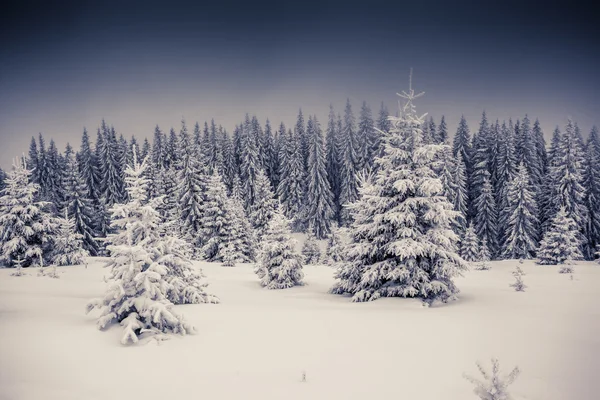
(507, 184)
(404, 208)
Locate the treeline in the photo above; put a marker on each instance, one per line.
(505, 181)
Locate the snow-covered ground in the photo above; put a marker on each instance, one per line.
(257, 343)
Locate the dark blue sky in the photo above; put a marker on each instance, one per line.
(67, 65)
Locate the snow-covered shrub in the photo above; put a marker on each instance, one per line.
(311, 251)
(278, 265)
(26, 225)
(264, 205)
(561, 242)
(469, 246)
(518, 284)
(484, 257)
(68, 244)
(335, 246)
(493, 386)
(567, 268)
(242, 237)
(401, 238)
(229, 256)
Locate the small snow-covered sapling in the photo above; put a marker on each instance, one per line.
(19, 272)
(519, 285)
(493, 386)
(567, 268)
(53, 273)
(483, 265)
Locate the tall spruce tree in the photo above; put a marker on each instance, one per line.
(279, 266)
(332, 144)
(250, 163)
(191, 200)
(567, 175)
(592, 192)
(486, 216)
(79, 207)
(147, 270)
(33, 161)
(27, 227)
(291, 188)
(442, 131)
(349, 165)
(319, 205)
(263, 209)
(367, 138)
(401, 240)
(522, 222)
(561, 242)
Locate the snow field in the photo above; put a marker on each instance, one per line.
(257, 343)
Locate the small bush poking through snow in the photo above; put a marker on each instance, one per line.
(311, 251)
(19, 272)
(493, 386)
(519, 285)
(567, 268)
(334, 247)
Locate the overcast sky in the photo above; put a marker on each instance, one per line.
(138, 64)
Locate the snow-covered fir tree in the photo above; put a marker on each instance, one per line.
(33, 161)
(367, 138)
(217, 220)
(568, 172)
(143, 269)
(527, 152)
(442, 131)
(54, 188)
(335, 245)
(242, 237)
(469, 245)
(484, 256)
(291, 190)
(80, 207)
(250, 164)
(522, 222)
(27, 227)
(88, 168)
(481, 152)
(401, 241)
(462, 144)
(518, 284)
(279, 266)
(110, 167)
(461, 196)
(270, 155)
(311, 251)
(3, 177)
(486, 218)
(67, 248)
(319, 199)
(191, 201)
(561, 242)
(332, 145)
(591, 182)
(505, 172)
(349, 167)
(548, 192)
(264, 207)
